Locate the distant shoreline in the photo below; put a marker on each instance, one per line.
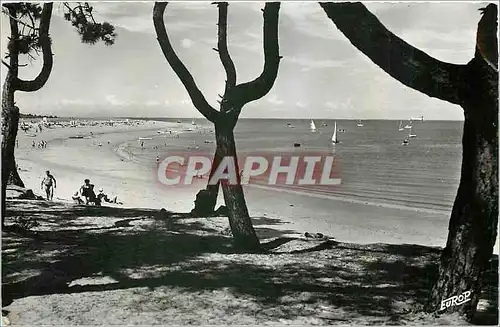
(188, 119)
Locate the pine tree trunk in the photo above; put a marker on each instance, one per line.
(14, 178)
(473, 222)
(206, 199)
(239, 219)
(10, 120)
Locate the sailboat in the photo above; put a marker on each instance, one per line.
(360, 124)
(410, 134)
(409, 124)
(334, 136)
(312, 126)
(400, 126)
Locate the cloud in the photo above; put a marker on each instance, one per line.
(347, 104)
(187, 43)
(79, 102)
(311, 63)
(273, 99)
(152, 103)
(112, 100)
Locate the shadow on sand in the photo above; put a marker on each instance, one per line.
(290, 278)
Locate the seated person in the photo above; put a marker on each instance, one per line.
(76, 197)
(87, 191)
(101, 196)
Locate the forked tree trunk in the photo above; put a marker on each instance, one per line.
(239, 220)
(10, 113)
(474, 219)
(234, 98)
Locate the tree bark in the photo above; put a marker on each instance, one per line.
(10, 113)
(239, 219)
(474, 218)
(14, 178)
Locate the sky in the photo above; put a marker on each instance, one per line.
(321, 74)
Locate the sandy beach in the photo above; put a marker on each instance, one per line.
(107, 166)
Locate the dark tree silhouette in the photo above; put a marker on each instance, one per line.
(474, 86)
(232, 101)
(26, 38)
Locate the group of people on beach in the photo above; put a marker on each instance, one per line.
(84, 195)
(41, 145)
(87, 195)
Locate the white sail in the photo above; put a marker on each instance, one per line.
(400, 128)
(334, 136)
(312, 125)
(360, 123)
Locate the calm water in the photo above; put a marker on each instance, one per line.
(374, 166)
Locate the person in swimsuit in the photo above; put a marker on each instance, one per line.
(87, 191)
(103, 197)
(49, 184)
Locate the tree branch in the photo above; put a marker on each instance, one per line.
(45, 43)
(179, 68)
(6, 64)
(409, 65)
(259, 87)
(21, 22)
(225, 58)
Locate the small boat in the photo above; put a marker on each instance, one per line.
(400, 126)
(420, 118)
(312, 125)
(178, 122)
(325, 124)
(360, 123)
(407, 126)
(411, 135)
(334, 136)
(193, 123)
(145, 138)
(77, 137)
(296, 145)
(405, 142)
(290, 125)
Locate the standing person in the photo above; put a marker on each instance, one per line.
(49, 184)
(142, 145)
(17, 143)
(33, 144)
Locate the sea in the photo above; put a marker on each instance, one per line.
(374, 165)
